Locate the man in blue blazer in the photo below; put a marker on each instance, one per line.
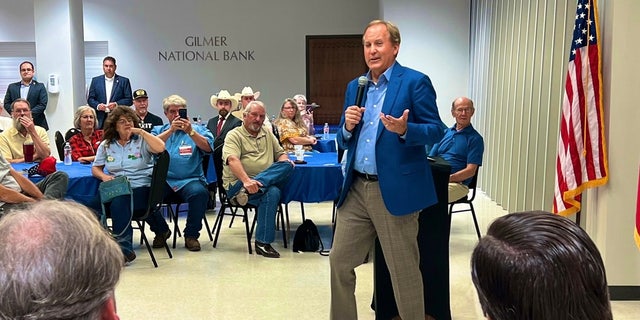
(387, 177)
(117, 87)
(31, 90)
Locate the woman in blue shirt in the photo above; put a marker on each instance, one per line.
(128, 150)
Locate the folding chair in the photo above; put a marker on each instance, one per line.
(158, 179)
(468, 200)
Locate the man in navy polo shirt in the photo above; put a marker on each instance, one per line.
(462, 146)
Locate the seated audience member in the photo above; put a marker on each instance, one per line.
(57, 262)
(536, 265)
(291, 128)
(256, 168)
(23, 130)
(305, 114)
(220, 125)
(85, 143)
(16, 189)
(127, 150)
(187, 145)
(462, 146)
(148, 120)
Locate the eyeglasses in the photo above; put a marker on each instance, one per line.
(26, 70)
(125, 121)
(464, 110)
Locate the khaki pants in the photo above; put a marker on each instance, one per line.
(361, 217)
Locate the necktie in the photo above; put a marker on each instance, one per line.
(220, 121)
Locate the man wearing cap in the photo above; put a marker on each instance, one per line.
(148, 120)
(108, 90)
(221, 124)
(23, 131)
(16, 189)
(187, 145)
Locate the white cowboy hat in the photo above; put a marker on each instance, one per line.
(224, 95)
(247, 91)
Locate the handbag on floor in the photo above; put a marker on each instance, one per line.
(118, 186)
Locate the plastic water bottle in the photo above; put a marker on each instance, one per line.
(325, 132)
(67, 154)
(199, 120)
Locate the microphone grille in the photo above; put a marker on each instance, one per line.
(362, 81)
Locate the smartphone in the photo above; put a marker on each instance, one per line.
(183, 113)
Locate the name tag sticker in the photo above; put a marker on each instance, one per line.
(185, 150)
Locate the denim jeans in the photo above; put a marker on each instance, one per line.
(194, 193)
(267, 198)
(120, 210)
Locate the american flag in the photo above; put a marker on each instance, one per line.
(582, 153)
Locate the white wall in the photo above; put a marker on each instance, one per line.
(613, 213)
(274, 30)
(435, 40)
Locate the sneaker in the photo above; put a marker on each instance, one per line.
(161, 239)
(266, 250)
(128, 258)
(192, 244)
(240, 199)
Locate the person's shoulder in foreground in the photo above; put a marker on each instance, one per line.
(64, 278)
(536, 265)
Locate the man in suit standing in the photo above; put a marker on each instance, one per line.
(220, 125)
(387, 177)
(30, 90)
(108, 90)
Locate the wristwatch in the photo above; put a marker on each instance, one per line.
(192, 132)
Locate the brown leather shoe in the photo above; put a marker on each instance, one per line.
(266, 250)
(192, 244)
(161, 239)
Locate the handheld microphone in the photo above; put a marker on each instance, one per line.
(362, 85)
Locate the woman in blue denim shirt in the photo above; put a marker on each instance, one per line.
(128, 150)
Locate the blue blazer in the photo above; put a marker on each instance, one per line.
(404, 172)
(37, 98)
(120, 94)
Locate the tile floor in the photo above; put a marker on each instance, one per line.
(228, 283)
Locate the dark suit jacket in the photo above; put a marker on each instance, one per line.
(120, 94)
(37, 98)
(404, 173)
(212, 125)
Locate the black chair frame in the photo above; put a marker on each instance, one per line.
(468, 200)
(156, 194)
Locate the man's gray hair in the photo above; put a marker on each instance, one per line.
(56, 262)
(250, 106)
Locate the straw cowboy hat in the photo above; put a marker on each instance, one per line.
(247, 91)
(224, 95)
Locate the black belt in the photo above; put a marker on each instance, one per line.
(366, 176)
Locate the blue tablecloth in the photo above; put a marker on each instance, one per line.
(83, 187)
(325, 145)
(318, 180)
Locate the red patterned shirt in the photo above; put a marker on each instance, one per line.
(82, 148)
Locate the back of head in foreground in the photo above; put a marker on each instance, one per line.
(57, 262)
(536, 265)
